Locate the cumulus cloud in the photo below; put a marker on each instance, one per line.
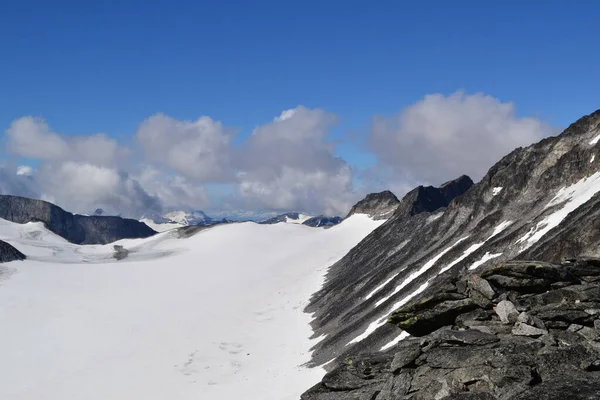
(24, 170)
(197, 149)
(175, 192)
(442, 137)
(14, 181)
(288, 164)
(81, 187)
(32, 138)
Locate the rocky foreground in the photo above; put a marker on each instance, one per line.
(517, 330)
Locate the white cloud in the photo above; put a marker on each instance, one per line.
(24, 170)
(174, 191)
(288, 164)
(198, 149)
(32, 138)
(81, 187)
(440, 138)
(285, 164)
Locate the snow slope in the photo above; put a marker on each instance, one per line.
(218, 316)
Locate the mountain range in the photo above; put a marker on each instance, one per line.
(487, 290)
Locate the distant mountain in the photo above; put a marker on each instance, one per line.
(188, 218)
(178, 219)
(322, 221)
(80, 229)
(291, 217)
(98, 212)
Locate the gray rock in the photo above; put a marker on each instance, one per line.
(529, 320)
(522, 329)
(405, 354)
(575, 328)
(475, 282)
(419, 321)
(507, 312)
(588, 333)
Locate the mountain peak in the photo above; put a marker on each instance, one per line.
(377, 205)
(430, 199)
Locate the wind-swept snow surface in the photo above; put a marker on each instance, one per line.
(218, 316)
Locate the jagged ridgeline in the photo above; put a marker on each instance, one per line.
(80, 229)
(537, 203)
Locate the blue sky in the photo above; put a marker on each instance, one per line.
(88, 68)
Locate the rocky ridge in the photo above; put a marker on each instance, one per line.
(540, 202)
(517, 330)
(79, 229)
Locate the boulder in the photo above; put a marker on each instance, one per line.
(522, 329)
(507, 312)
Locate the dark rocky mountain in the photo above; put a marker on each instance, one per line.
(281, 218)
(315, 222)
(378, 205)
(322, 221)
(538, 202)
(429, 198)
(78, 229)
(9, 253)
(518, 330)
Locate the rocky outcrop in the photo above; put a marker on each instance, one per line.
(518, 330)
(80, 229)
(322, 221)
(540, 202)
(378, 205)
(429, 199)
(9, 253)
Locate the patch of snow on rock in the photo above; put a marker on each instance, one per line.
(378, 288)
(373, 326)
(502, 226)
(419, 272)
(394, 342)
(486, 257)
(595, 140)
(496, 190)
(571, 198)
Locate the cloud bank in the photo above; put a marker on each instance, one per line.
(288, 163)
(440, 138)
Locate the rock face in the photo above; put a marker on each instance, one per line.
(78, 229)
(524, 343)
(9, 253)
(540, 202)
(378, 205)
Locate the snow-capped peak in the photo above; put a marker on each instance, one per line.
(187, 218)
